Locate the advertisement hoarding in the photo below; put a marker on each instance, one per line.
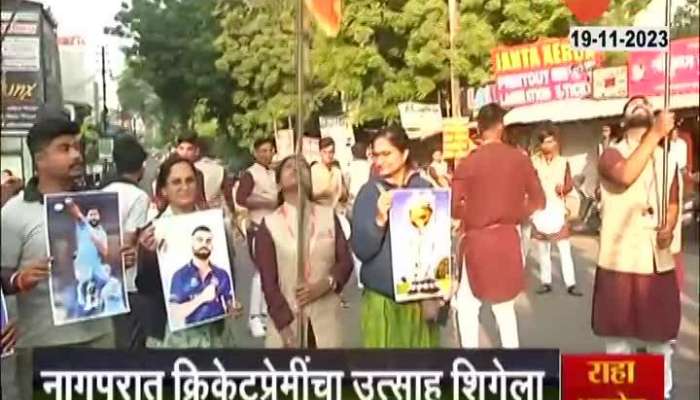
(610, 82)
(547, 70)
(646, 70)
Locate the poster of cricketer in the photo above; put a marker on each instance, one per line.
(421, 243)
(195, 268)
(4, 321)
(83, 236)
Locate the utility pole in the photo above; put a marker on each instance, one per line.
(301, 207)
(104, 92)
(455, 100)
(667, 106)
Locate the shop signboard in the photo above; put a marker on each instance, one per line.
(543, 71)
(646, 69)
(610, 82)
(420, 120)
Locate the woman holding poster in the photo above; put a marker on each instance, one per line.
(177, 185)
(7, 329)
(328, 267)
(386, 323)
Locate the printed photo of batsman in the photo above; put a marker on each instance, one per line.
(4, 321)
(195, 268)
(84, 238)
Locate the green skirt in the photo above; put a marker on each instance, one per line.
(388, 324)
(216, 335)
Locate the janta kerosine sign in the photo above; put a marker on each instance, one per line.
(544, 71)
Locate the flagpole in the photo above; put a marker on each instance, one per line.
(453, 16)
(301, 319)
(667, 105)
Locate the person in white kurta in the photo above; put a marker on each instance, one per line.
(327, 178)
(439, 170)
(678, 157)
(555, 177)
(257, 191)
(358, 174)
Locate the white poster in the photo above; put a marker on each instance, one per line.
(83, 235)
(610, 82)
(195, 268)
(340, 130)
(284, 141)
(4, 322)
(21, 54)
(421, 247)
(420, 120)
(309, 148)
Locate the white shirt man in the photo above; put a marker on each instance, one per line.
(678, 157)
(439, 170)
(134, 203)
(257, 191)
(327, 178)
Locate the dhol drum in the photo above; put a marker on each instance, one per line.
(551, 219)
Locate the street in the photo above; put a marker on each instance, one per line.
(554, 320)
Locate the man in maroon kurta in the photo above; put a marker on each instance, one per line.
(494, 189)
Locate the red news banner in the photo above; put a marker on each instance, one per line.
(612, 377)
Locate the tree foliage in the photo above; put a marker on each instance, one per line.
(136, 96)
(174, 53)
(686, 20)
(257, 53)
(388, 51)
(231, 63)
(486, 23)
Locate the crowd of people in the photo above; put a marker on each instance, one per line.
(499, 195)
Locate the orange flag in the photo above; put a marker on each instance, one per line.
(327, 14)
(588, 10)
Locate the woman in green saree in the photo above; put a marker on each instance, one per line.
(386, 323)
(177, 186)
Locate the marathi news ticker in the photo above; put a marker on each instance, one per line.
(351, 374)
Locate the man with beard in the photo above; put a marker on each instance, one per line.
(635, 295)
(200, 291)
(91, 255)
(54, 143)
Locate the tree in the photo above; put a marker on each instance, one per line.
(686, 20)
(387, 52)
(136, 96)
(194, 53)
(486, 23)
(257, 52)
(174, 53)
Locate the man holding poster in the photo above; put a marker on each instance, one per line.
(54, 143)
(494, 189)
(7, 330)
